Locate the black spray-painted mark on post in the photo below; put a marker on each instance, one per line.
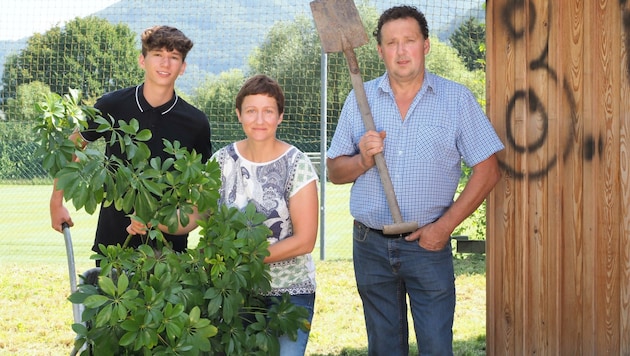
(534, 103)
(510, 11)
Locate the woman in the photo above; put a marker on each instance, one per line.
(282, 183)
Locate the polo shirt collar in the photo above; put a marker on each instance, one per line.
(428, 83)
(143, 104)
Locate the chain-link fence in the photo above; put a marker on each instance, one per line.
(50, 46)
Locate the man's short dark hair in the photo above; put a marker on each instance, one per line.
(401, 12)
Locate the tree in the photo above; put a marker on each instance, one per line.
(23, 106)
(291, 54)
(469, 40)
(444, 61)
(216, 98)
(145, 301)
(16, 137)
(89, 54)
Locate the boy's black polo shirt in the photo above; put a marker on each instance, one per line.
(174, 121)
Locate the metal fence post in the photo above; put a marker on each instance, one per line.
(322, 152)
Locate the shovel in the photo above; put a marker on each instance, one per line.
(341, 30)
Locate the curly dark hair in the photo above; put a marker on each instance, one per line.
(170, 38)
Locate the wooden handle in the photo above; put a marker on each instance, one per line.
(368, 122)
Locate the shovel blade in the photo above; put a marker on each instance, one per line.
(338, 24)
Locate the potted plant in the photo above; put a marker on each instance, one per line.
(156, 301)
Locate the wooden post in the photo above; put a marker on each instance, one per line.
(558, 246)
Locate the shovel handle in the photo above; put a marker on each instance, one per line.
(72, 273)
(368, 122)
(70, 255)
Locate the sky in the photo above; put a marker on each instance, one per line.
(22, 18)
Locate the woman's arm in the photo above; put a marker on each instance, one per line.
(304, 212)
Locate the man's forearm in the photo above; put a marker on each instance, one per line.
(485, 176)
(345, 169)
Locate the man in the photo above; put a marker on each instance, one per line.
(157, 107)
(426, 125)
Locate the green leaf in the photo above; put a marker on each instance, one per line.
(79, 328)
(119, 311)
(161, 269)
(128, 338)
(207, 332)
(144, 135)
(67, 181)
(168, 217)
(153, 187)
(148, 265)
(128, 200)
(123, 283)
(130, 294)
(143, 153)
(127, 129)
(215, 305)
(131, 151)
(104, 317)
(135, 125)
(92, 202)
(194, 315)
(107, 285)
(80, 197)
(145, 204)
(173, 330)
(184, 218)
(95, 301)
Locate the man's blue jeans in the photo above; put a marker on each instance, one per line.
(387, 270)
(289, 347)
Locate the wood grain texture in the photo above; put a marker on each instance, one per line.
(571, 320)
(559, 221)
(607, 264)
(624, 168)
(500, 247)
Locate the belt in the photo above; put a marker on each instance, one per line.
(380, 232)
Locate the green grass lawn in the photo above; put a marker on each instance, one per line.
(35, 316)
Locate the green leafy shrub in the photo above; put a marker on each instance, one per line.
(206, 300)
(473, 226)
(17, 161)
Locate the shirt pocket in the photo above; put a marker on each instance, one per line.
(433, 142)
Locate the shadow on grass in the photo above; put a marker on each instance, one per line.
(471, 347)
(469, 263)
